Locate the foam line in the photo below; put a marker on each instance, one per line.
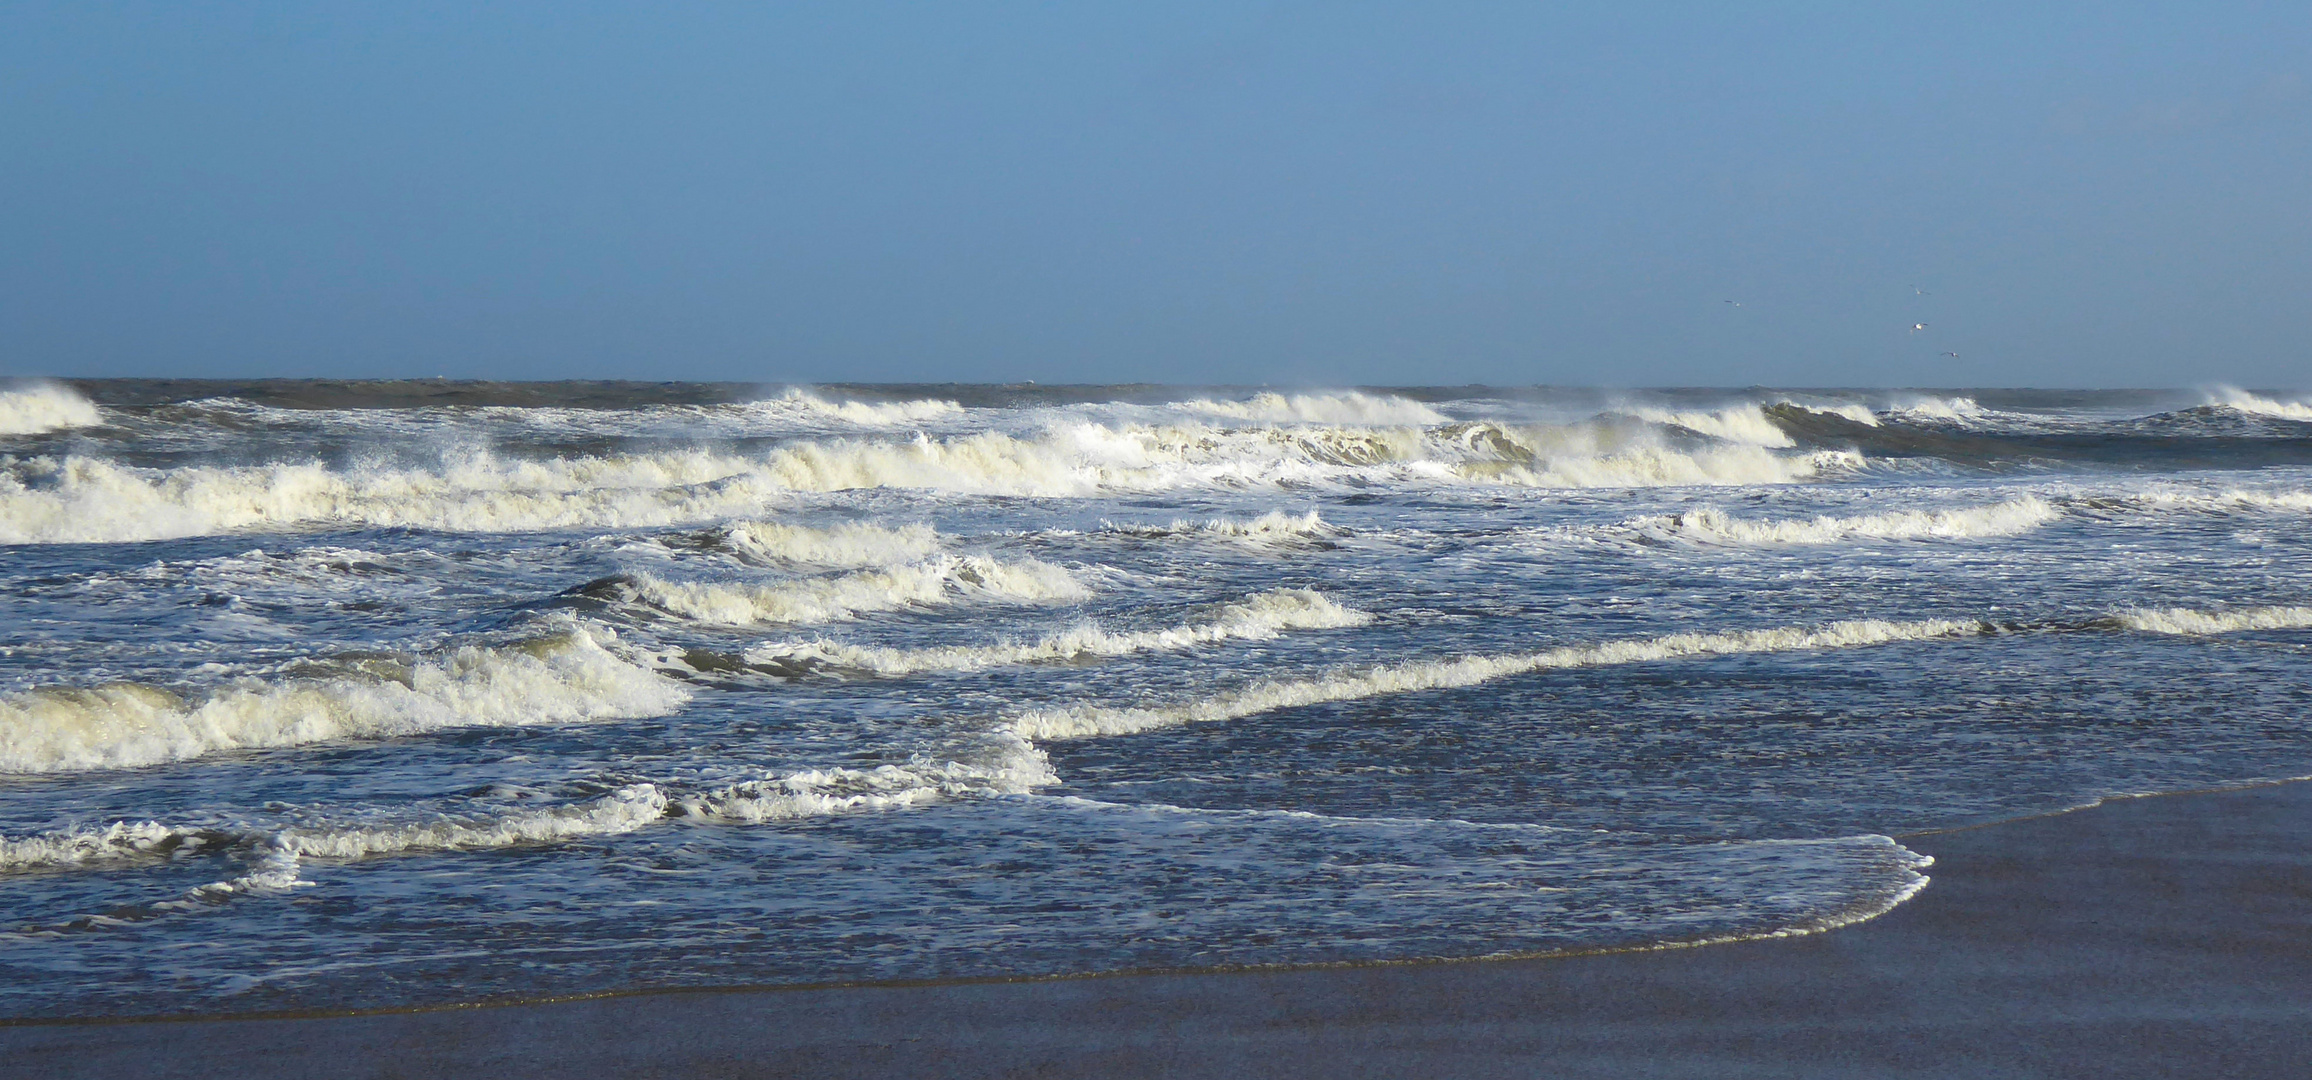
(1262, 615)
(2194, 622)
(1386, 679)
(1708, 525)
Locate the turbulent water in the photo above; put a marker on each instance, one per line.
(345, 695)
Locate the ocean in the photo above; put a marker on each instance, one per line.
(328, 695)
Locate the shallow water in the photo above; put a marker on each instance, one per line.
(325, 694)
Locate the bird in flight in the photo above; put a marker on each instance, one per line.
(1952, 355)
(1736, 303)
(1918, 326)
(1920, 291)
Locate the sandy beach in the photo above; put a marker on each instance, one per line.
(2163, 936)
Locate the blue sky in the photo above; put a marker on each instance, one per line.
(2085, 195)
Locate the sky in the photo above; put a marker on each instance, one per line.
(1611, 194)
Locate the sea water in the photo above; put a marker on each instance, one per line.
(349, 695)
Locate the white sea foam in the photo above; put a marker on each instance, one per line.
(851, 544)
(1348, 407)
(1260, 616)
(2255, 405)
(1708, 525)
(2190, 621)
(569, 676)
(933, 582)
(1387, 679)
(44, 407)
(998, 763)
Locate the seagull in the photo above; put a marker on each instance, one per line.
(1918, 326)
(1952, 355)
(1736, 303)
(1920, 291)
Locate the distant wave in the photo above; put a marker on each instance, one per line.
(83, 499)
(862, 413)
(1348, 407)
(44, 407)
(2245, 402)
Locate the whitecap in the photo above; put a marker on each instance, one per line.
(44, 407)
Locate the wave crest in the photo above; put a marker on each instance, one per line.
(45, 407)
(2242, 401)
(932, 583)
(561, 678)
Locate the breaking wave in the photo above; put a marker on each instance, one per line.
(83, 500)
(1742, 424)
(44, 407)
(1947, 410)
(1263, 615)
(2254, 405)
(931, 583)
(574, 675)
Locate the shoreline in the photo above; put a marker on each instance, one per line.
(2150, 935)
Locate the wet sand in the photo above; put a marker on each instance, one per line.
(2167, 936)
